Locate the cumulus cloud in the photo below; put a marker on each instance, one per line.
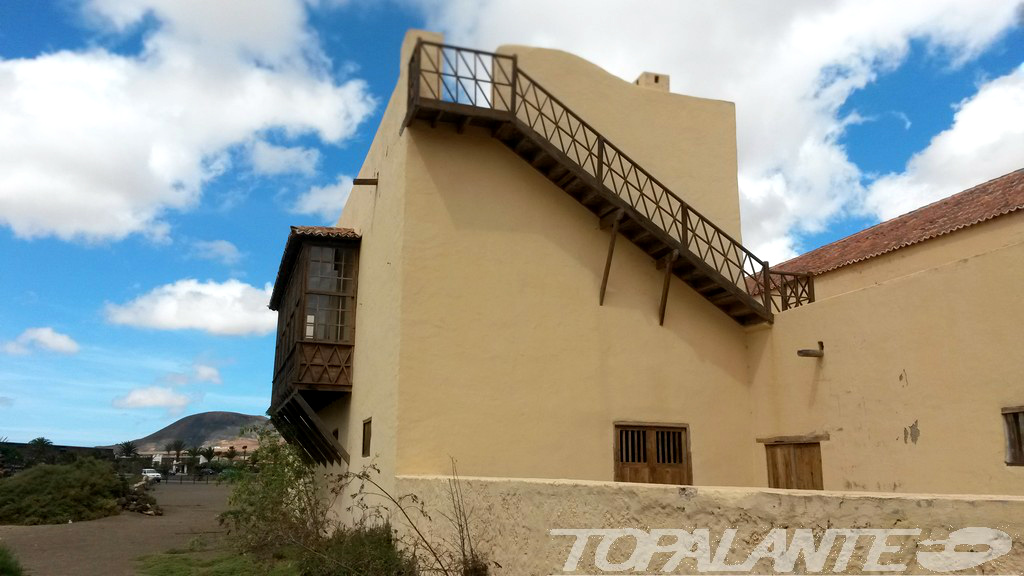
(985, 140)
(230, 308)
(206, 373)
(272, 160)
(324, 201)
(45, 338)
(197, 374)
(218, 250)
(153, 397)
(789, 66)
(98, 145)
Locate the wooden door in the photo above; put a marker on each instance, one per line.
(795, 465)
(655, 454)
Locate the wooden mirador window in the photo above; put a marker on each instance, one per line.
(652, 453)
(330, 295)
(1013, 422)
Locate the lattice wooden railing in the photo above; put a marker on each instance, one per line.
(494, 83)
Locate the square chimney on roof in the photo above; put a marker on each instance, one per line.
(653, 80)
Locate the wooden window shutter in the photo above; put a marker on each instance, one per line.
(652, 453)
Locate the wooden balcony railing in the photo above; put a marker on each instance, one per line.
(471, 85)
(314, 366)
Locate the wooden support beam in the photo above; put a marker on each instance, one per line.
(669, 260)
(462, 124)
(364, 182)
(611, 250)
(612, 218)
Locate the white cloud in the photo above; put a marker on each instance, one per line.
(270, 159)
(206, 373)
(985, 140)
(98, 145)
(229, 308)
(324, 201)
(153, 397)
(45, 338)
(219, 250)
(197, 374)
(789, 66)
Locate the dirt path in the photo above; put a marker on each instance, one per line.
(109, 546)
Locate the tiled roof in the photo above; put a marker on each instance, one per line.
(291, 251)
(983, 202)
(323, 232)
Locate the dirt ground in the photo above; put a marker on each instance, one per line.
(109, 546)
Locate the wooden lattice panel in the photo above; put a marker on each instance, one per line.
(324, 364)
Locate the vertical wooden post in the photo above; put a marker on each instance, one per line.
(611, 250)
(685, 227)
(669, 261)
(767, 287)
(515, 82)
(600, 160)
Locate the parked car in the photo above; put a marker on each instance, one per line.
(151, 475)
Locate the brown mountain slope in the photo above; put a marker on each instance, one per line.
(205, 429)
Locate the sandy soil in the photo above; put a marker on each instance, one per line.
(109, 546)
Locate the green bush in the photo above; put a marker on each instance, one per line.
(9, 565)
(54, 494)
(365, 549)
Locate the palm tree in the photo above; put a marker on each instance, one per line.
(178, 446)
(231, 453)
(207, 453)
(194, 453)
(38, 449)
(127, 449)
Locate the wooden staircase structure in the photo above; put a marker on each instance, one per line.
(467, 87)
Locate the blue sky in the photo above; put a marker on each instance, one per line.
(154, 152)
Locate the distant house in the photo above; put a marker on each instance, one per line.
(539, 272)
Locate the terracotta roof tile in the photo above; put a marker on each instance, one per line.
(291, 251)
(983, 202)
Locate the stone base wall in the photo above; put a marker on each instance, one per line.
(512, 519)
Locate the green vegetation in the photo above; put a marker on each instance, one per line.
(9, 565)
(281, 508)
(226, 563)
(127, 449)
(54, 494)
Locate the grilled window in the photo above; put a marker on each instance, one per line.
(653, 453)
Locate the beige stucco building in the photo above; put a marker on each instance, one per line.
(539, 273)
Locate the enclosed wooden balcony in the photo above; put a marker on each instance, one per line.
(315, 300)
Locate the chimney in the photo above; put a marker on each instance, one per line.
(653, 80)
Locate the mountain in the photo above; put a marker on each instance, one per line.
(205, 429)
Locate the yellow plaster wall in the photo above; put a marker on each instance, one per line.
(379, 214)
(687, 143)
(998, 233)
(508, 363)
(940, 347)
